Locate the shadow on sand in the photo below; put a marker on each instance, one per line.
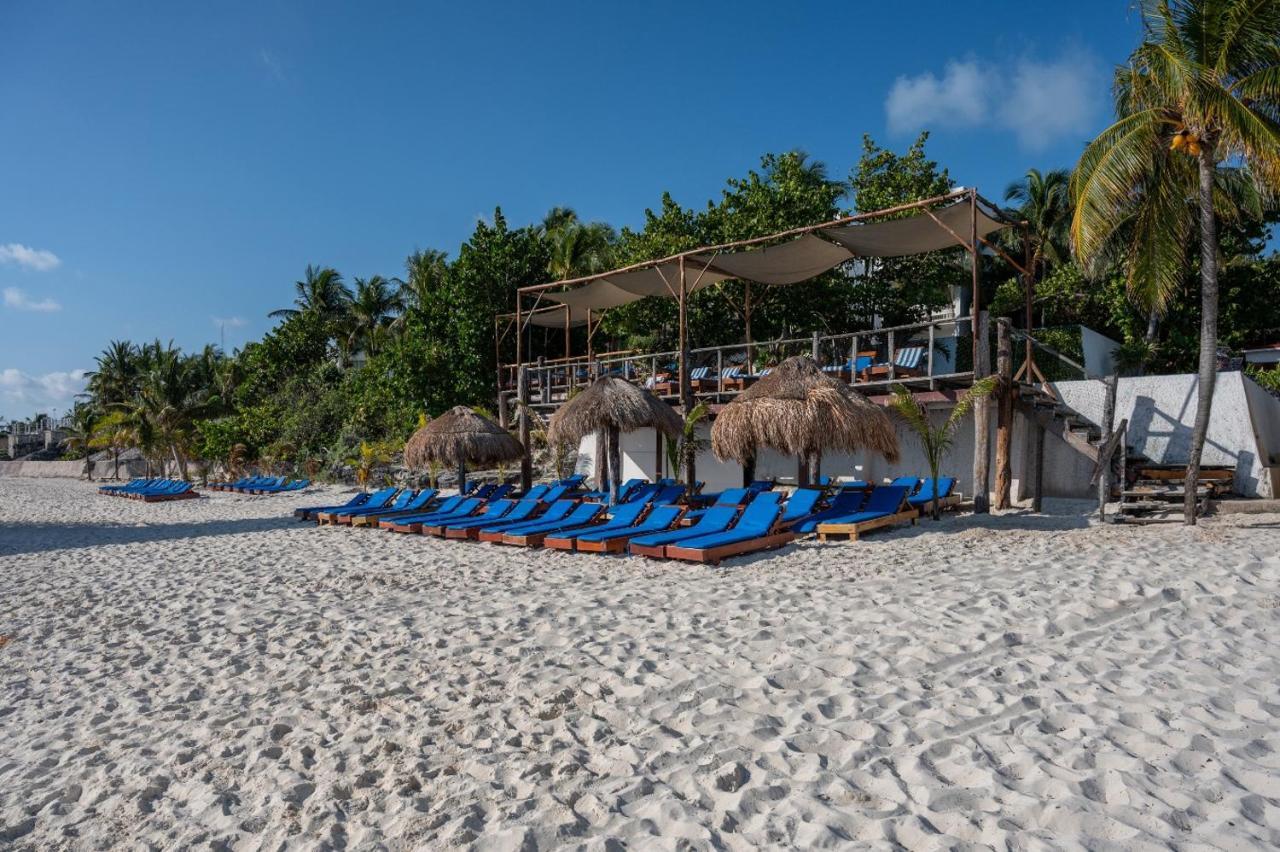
(20, 539)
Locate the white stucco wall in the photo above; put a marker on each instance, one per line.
(1161, 413)
(1244, 432)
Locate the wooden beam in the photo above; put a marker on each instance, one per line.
(522, 394)
(981, 425)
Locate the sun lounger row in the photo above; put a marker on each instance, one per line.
(656, 520)
(262, 485)
(151, 490)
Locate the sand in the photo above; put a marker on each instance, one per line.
(213, 674)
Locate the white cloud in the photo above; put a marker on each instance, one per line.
(958, 99)
(229, 322)
(1035, 100)
(38, 259)
(20, 301)
(51, 390)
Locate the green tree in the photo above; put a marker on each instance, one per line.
(936, 440)
(902, 290)
(1200, 92)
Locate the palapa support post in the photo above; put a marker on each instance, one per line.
(615, 465)
(1104, 460)
(1004, 413)
(522, 394)
(462, 476)
(981, 423)
(746, 326)
(600, 470)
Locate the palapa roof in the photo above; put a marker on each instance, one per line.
(611, 402)
(798, 409)
(460, 436)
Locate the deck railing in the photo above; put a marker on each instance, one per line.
(929, 353)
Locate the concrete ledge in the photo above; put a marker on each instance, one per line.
(1243, 507)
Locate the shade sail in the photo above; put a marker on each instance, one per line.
(788, 263)
(621, 288)
(554, 317)
(791, 262)
(914, 235)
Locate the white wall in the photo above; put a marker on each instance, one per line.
(1161, 413)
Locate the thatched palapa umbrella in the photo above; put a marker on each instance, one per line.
(457, 437)
(611, 405)
(799, 410)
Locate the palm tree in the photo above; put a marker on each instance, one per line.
(116, 378)
(426, 272)
(374, 307)
(936, 441)
(576, 247)
(172, 396)
(115, 431)
(80, 432)
(1043, 201)
(320, 292)
(1202, 90)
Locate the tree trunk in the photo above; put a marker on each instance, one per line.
(815, 467)
(115, 460)
(802, 469)
(1208, 329)
(1004, 415)
(462, 477)
(615, 464)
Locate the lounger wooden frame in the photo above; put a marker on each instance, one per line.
(396, 526)
(713, 555)
(944, 503)
(531, 540)
(853, 531)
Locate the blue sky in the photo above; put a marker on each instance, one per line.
(170, 173)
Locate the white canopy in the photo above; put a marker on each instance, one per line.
(818, 250)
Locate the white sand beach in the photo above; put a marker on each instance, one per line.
(213, 674)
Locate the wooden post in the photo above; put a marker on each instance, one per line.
(1004, 414)
(815, 346)
(981, 422)
(462, 476)
(615, 464)
(802, 469)
(504, 419)
(590, 349)
(815, 467)
(929, 354)
(749, 472)
(746, 323)
(522, 394)
(568, 347)
(686, 387)
(658, 457)
(719, 371)
(976, 308)
(1104, 464)
(1035, 462)
(601, 466)
(893, 353)
(519, 334)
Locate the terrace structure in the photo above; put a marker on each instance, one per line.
(936, 359)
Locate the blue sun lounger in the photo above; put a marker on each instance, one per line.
(444, 507)
(886, 506)
(373, 517)
(493, 510)
(494, 532)
(523, 510)
(532, 534)
(923, 499)
(357, 500)
(464, 508)
(802, 503)
(376, 500)
(755, 530)
(398, 500)
(615, 540)
(715, 519)
(621, 516)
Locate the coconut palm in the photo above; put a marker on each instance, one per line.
(1043, 201)
(426, 271)
(370, 313)
(576, 248)
(79, 432)
(1202, 91)
(683, 449)
(320, 292)
(116, 378)
(936, 440)
(114, 431)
